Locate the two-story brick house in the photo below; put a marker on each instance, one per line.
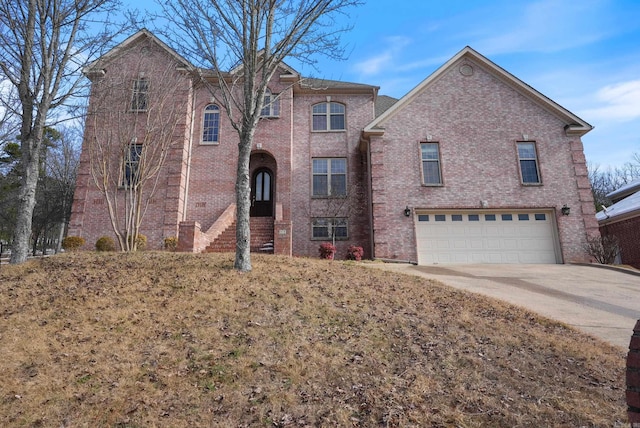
(472, 165)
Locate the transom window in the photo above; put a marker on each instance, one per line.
(211, 124)
(327, 228)
(140, 96)
(528, 162)
(270, 105)
(430, 153)
(329, 177)
(328, 116)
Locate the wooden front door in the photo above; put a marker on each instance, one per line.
(262, 193)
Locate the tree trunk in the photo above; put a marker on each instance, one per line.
(26, 202)
(243, 204)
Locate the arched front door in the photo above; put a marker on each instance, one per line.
(262, 193)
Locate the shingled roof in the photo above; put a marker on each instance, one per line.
(384, 103)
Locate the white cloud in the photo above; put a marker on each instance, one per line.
(619, 102)
(385, 59)
(547, 26)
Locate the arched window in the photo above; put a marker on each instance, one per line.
(211, 124)
(270, 105)
(328, 117)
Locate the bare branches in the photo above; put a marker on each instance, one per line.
(250, 39)
(43, 46)
(128, 148)
(605, 181)
(604, 249)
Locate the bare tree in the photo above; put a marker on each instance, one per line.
(338, 209)
(605, 249)
(62, 167)
(251, 38)
(9, 104)
(605, 181)
(43, 46)
(129, 137)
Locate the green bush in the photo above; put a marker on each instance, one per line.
(72, 243)
(171, 243)
(141, 242)
(105, 243)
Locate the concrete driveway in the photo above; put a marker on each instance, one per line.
(600, 301)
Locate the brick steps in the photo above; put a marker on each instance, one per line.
(261, 237)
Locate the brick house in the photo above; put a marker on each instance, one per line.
(472, 165)
(622, 220)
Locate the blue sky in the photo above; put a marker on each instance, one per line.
(585, 55)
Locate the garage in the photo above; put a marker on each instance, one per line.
(486, 237)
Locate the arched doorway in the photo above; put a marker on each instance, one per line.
(262, 193)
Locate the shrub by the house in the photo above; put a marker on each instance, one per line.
(105, 243)
(72, 243)
(327, 250)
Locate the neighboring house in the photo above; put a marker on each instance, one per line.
(622, 220)
(471, 166)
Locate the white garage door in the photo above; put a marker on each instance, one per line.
(481, 237)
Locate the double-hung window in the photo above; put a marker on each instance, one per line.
(140, 96)
(430, 155)
(132, 164)
(328, 116)
(327, 228)
(528, 160)
(329, 177)
(211, 124)
(270, 105)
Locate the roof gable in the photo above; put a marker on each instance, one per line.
(574, 124)
(97, 65)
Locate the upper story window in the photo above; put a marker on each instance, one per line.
(528, 160)
(329, 177)
(140, 96)
(328, 116)
(430, 154)
(270, 105)
(131, 171)
(211, 124)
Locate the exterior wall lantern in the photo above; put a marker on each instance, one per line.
(565, 210)
(407, 211)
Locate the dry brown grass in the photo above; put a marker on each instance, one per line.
(165, 339)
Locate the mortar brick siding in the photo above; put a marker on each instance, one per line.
(476, 118)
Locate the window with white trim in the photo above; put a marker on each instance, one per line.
(430, 155)
(328, 116)
(270, 105)
(528, 160)
(140, 96)
(131, 164)
(211, 124)
(329, 177)
(328, 227)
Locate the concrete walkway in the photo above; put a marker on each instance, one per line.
(599, 301)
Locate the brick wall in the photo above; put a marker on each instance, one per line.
(112, 124)
(628, 234)
(477, 121)
(476, 118)
(308, 145)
